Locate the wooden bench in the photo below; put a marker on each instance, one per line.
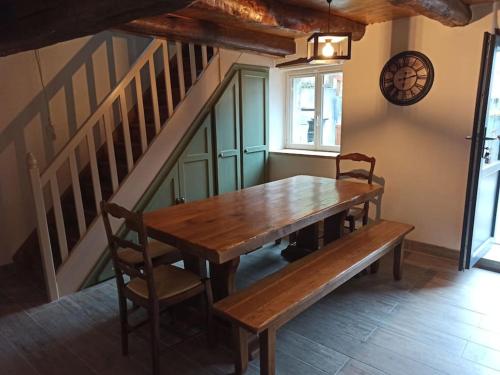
(271, 302)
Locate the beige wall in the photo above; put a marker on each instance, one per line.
(420, 149)
(78, 75)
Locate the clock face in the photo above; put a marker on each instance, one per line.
(406, 78)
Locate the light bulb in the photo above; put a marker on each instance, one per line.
(327, 50)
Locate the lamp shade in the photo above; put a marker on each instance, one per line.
(325, 48)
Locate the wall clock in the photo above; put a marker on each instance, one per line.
(406, 78)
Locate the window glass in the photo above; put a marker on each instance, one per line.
(303, 110)
(331, 117)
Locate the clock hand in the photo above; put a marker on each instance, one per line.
(405, 78)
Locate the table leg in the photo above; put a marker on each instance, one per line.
(306, 240)
(195, 264)
(334, 227)
(223, 278)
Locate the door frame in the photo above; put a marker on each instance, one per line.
(477, 145)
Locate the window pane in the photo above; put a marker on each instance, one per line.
(332, 109)
(303, 109)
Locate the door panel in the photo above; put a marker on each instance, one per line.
(484, 165)
(254, 118)
(167, 193)
(227, 130)
(195, 165)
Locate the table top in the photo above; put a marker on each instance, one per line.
(226, 226)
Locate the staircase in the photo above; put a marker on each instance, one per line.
(103, 155)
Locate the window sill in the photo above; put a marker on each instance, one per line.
(308, 153)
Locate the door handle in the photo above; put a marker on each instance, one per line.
(469, 137)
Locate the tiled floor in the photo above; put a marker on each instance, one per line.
(435, 321)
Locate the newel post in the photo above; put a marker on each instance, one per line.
(42, 228)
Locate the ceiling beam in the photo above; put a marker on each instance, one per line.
(204, 32)
(273, 14)
(30, 24)
(448, 12)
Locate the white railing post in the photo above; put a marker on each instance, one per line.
(42, 229)
(168, 82)
(192, 63)
(180, 69)
(204, 56)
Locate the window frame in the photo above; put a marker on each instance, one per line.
(318, 73)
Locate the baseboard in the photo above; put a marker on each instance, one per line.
(430, 249)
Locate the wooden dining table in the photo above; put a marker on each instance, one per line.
(222, 228)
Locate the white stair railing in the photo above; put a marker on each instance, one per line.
(85, 136)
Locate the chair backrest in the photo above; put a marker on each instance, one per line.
(133, 223)
(356, 157)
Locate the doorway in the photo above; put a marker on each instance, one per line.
(480, 232)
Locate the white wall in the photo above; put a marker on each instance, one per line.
(420, 149)
(78, 76)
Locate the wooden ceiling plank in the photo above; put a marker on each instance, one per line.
(30, 24)
(203, 32)
(448, 12)
(275, 14)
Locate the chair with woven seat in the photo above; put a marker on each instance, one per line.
(153, 288)
(360, 212)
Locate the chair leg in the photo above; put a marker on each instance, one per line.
(154, 321)
(267, 341)
(240, 337)
(278, 241)
(398, 262)
(122, 302)
(352, 224)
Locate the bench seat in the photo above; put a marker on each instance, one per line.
(274, 300)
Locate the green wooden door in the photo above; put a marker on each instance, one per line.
(227, 128)
(167, 193)
(254, 127)
(196, 165)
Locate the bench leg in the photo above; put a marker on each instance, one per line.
(241, 350)
(398, 262)
(267, 351)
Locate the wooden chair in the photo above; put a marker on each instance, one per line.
(356, 213)
(153, 288)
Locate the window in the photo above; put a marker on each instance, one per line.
(314, 111)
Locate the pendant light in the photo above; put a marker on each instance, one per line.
(325, 48)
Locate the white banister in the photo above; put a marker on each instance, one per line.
(140, 112)
(110, 116)
(77, 194)
(107, 104)
(42, 229)
(180, 69)
(168, 82)
(154, 94)
(192, 62)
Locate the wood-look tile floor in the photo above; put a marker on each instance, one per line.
(435, 321)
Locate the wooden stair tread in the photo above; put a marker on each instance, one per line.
(298, 285)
